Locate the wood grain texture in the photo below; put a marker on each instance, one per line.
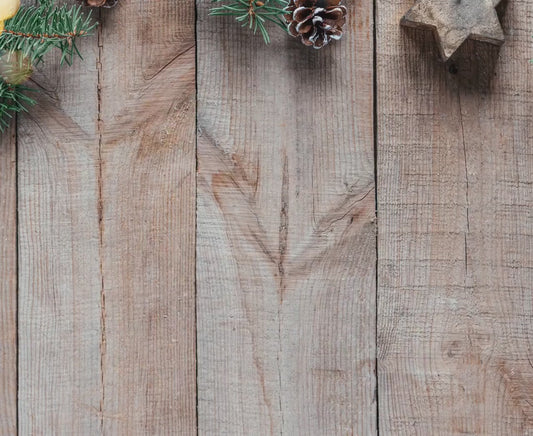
(8, 283)
(286, 233)
(455, 168)
(148, 226)
(59, 267)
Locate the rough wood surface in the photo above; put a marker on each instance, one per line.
(8, 284)
(59, 268)
(455, 177)
(148, 218)
(453, 21)
(286, 243)
(286, 233)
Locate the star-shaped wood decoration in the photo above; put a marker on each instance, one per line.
(453, 21)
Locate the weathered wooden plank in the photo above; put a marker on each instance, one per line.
(8, 284)
(148, 186)
(455, 171)
(59, 267)
(286, 241)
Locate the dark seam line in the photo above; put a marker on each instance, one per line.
(196, 214)
(17, 285)
(100, 207)
(375, 125)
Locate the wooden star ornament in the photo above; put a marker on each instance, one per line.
(453, 21)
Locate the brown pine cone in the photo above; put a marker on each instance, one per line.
(316, 22)
(99, 3)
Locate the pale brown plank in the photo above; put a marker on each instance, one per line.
(8, 283)
(148, 227)
(59, 267)
(455, 189)
(286, 240)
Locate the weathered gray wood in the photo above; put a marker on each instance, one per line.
(455, 178)
(453, 21)
(148, 227)
(8, 284)
(59, 266)
(286, 241)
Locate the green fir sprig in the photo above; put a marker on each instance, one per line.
(12, 101)
(33, 32)
(254, 14)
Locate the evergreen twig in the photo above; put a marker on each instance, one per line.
(254, 14)
(34, 31)
(12, 101)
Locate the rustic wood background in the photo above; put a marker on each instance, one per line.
(203, 234)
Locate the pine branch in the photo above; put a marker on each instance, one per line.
(27, 37)
(35, 30)
(12, 101)
(254, 14)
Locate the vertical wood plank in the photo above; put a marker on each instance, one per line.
(455, 177)
(286, 239)
(8, 283)
(148, 200)
(59, 267)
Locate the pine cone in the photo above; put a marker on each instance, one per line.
(99, 3)
(316, 22)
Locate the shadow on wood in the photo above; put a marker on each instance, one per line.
(473, 64)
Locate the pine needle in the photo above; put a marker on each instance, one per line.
(254, 14)
(34, 31)
(12, 101)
